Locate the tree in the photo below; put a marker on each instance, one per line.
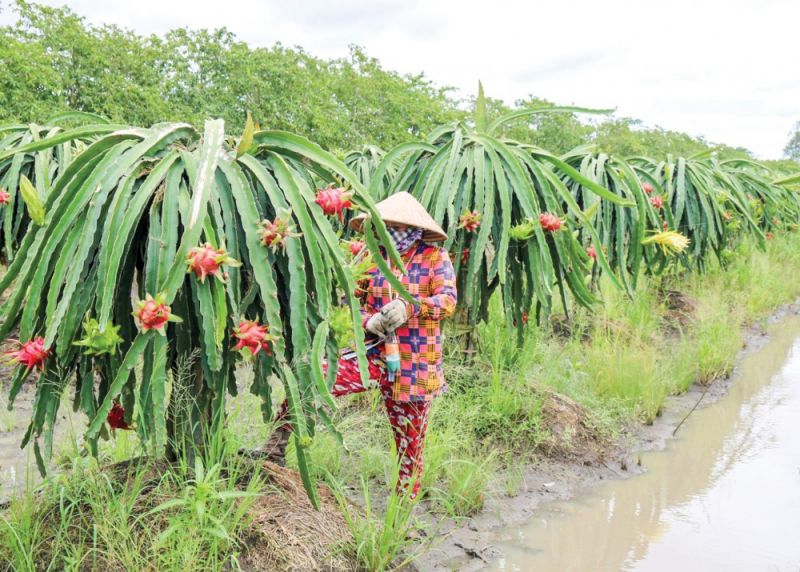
(52, 60)
(792, 149)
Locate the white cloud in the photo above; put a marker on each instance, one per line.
(726, 69)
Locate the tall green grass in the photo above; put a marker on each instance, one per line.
(620, 363)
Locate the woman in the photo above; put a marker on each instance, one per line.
(430, 279)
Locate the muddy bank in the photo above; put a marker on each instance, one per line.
(469, 545)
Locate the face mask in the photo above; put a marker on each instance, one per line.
(404, 238)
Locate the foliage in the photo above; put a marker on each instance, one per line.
(702, 201)
(33, 172)
(621, 230)
(480, 188)
(121, 219)
(52, 60)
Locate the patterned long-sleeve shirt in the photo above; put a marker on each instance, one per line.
(431, 280)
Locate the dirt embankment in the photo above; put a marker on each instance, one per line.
(467, 546)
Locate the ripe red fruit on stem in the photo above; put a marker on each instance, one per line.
(470, 221)
(253, 336)
(31, 354)
(206, 260)
(334, 200)
(657, 202)
(647, 188)
(356, 246)
(592, 252)
(116, 417)
(274, 233)
(153, 314)
(4, 197)
(550, 222)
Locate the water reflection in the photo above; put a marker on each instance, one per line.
(724, 496)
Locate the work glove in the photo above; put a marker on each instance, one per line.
(375, 325)
(394, 315)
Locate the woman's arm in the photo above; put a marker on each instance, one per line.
(442, 301)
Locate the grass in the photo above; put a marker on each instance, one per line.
(143, 517)
(379, 543)
(618, 365)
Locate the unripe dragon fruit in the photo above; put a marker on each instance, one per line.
(116, 418)
(153, 314)
(253, 336)
(727, 216)
(274, 233)
(550, 222)
(31, 354)
(470, 221)
(657, 202)
(647, 188)
(4, 197)
(206, 260)
(334, 201)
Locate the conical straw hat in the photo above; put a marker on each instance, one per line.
(402, 208)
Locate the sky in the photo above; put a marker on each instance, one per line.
(725, 69)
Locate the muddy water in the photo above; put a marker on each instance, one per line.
(724, 495)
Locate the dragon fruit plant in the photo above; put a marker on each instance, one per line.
(488, 193)
(153, 253)
(28, 171)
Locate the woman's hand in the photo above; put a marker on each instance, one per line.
(395, 314)
(375, 325)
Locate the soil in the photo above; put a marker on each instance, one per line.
(465, 545)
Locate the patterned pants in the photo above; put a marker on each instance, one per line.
(409, 420)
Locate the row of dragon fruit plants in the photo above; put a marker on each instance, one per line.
(146, 263)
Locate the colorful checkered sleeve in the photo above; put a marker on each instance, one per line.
(442, 301)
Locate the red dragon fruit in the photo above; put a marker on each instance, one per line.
(727, 216)
(550, 222)
(116, 418)
(4, 197)
(153, 314)
(206, 260)
(470, 221)
(592, 252)
(274, 233)
(647, 188)
(657, 202)
(253, 336)
(334, 201)
(770, 235)
(31, 354)
(356, 246)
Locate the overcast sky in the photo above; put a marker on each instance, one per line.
(725, 69)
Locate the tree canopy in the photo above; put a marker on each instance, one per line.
(52, 60)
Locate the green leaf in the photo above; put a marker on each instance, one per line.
(246, 141)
